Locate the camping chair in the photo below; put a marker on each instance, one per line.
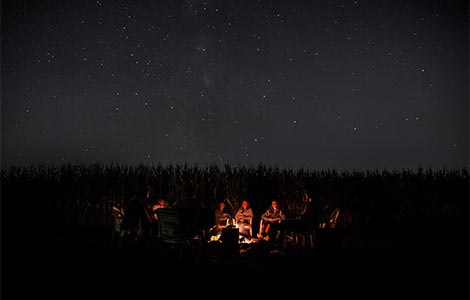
(177, 236)
(245, 229)
(123, 229)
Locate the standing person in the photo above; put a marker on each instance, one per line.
(310, 214)
(244, 219)
(306, 223)
(271, 222)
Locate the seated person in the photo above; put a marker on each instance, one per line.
(222, 217)
(271, 222)
(244, 218)
(159, 203)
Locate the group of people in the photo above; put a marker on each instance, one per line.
(273, 220)
(242, 219)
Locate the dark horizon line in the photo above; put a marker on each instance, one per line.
(418, 168)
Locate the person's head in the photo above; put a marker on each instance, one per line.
(221, 206)
(275, 204)
(245, 204)
(162, 202)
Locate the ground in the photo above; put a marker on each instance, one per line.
(84, 264)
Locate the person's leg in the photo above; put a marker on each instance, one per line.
(261, 229)
(264, 229)
(267, 229)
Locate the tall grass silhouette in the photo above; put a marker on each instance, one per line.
(83, 194)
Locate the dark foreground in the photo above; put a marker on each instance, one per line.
(82, 263)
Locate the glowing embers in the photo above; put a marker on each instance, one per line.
(230, 233)
(215, 238)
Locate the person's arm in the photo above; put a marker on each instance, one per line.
(239, 215)
(265, 216)
(245, 216)
(249, 213)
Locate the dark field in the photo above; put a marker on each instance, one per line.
(401, 233)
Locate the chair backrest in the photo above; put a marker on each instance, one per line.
(124, 231)
(118, 215)
(183, 230)
(171, 229)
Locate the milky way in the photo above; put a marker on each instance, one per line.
(316, 84)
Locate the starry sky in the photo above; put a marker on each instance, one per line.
(360, 84)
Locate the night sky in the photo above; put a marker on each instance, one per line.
(315, 84)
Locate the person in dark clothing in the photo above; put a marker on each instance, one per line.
(303, 227)
(309, 216)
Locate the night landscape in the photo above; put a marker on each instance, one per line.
(358, 110)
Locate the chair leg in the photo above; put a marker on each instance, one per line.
(311, 237)
(303, 240)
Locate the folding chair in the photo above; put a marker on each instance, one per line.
(124, 230)
(177, 236)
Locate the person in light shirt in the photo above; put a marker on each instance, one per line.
(271, 222)
(243, 218)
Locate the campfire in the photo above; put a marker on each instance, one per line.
(217, 233)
